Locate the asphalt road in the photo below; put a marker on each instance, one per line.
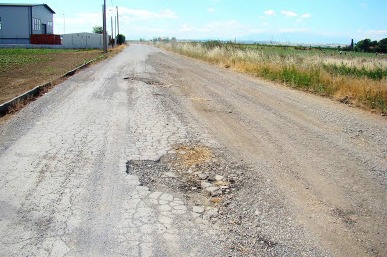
(313, 179)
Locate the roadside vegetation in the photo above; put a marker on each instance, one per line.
(355, 78)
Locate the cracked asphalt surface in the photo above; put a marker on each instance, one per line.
(88, 169)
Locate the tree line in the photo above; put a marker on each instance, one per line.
(368, 46)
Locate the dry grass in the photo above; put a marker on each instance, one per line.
(356, 79)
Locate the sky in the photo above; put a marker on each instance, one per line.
(295, 21)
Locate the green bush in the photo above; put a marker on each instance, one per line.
(120, 39)
(212, 44)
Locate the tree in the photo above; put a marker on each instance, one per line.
(382, 46)
(352, 45)
(120, 39)
(363, 45)
(98, 29)
(366, 45)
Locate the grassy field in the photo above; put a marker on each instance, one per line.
(359, 79)
(23, 69)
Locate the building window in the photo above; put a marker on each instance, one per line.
(49, 23)
(36, 24)
(0, 23)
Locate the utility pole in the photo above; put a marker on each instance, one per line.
(104, 28)
(111, 22)
(115, 27)
(118, 23)
(64, 24)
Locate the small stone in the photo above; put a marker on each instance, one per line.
(214, 191)
(212, 212)
(211, 178)
(198, 209)
(195, 215)
(155, 195)
(170, 175)
(219, 177)
(205, 184)
(202, 176)
(166, 197)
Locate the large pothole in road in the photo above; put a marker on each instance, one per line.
(195, 171)
(209, 179)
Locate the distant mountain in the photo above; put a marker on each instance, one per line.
(306, 38)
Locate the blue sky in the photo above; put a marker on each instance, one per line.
(298, 21)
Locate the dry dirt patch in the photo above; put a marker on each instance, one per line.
(193, 156)
(24, 69)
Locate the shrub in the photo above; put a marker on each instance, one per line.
(120, 39)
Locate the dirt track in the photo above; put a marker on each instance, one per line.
(92, 168)
(327, 160)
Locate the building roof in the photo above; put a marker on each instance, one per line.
(29, 5)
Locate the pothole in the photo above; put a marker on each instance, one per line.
(145, 80)
(193, 170)
(210, 183)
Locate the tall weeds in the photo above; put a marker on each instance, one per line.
(356, 80)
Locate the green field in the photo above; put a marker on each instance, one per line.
(17, 57)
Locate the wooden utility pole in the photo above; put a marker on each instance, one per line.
(118, 23)
(104, 27)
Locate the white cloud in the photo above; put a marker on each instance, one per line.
(187, 28)
(210, 10)
(269, 12)
(291, 30)
(228, 29)
(85, 21)
(141, 14)
(305, 15)
(80, 22)
(372, 34)
(289, 14)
